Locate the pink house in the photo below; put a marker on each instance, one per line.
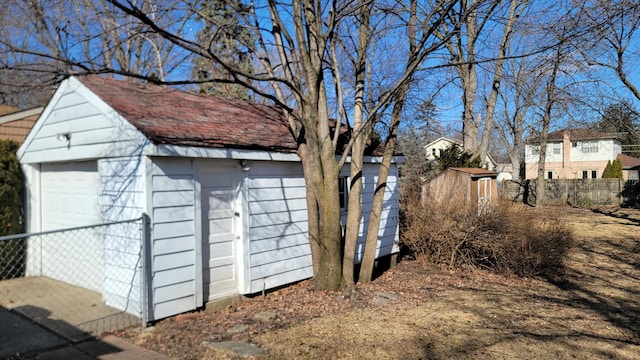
(573, 154)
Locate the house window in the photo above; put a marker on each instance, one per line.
(589, 147)
(633, 175)
(557, 149)
(550, 175)
(535, 149)
(590, 174)
(433, 152)
(343, 193)
(594, 174)
(585, 174)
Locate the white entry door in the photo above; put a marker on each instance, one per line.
(219, 222)
(484, 194)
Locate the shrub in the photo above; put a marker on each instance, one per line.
(616, 169)
(613, 170)
(513, 240)
(608, 171)
(505, 240)
(11, 252)
(584, 202)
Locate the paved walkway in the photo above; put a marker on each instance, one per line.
(72, 312)
(21, 337)
(107, 348)
(47, 319)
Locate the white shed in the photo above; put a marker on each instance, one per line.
(219, 179)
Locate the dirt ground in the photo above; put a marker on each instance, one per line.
(415, 311)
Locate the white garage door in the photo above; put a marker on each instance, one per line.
(70, 198)
(70, 195)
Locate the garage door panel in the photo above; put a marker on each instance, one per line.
(70, 198)
(70, 195)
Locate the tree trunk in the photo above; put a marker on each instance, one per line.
(546, 120)
(373, 229)
(497, 79)
(361, 135)
(540, 183)
(329, 275)
(313, 217)
(469, 79)
(371, 245)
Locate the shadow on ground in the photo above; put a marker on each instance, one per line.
(24, 338)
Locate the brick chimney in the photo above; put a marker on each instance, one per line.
(566, 148)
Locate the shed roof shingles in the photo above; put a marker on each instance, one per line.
(476, 171)
(169, 116)
(629, 162)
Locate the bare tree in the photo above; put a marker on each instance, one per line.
(550, 100)
(518, 96)
(611, 41)
(63, 37)
(467, 25)
(294, 57)
(294, 48)
(516, 7)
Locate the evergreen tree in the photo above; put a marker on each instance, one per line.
(12, 251)
(454, 156)
(616, 169)
(10, 189)
(229, 41)
(415, 165)
(623, 119)
(607, 173)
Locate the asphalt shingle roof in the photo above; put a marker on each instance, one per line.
(476, 171)
(628, 162)
(169, 116)
(580, 134)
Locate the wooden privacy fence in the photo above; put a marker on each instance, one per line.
(580, 192)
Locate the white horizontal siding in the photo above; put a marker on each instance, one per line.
(270, 244)
(388, 236)
(123, 197)
(96, 131)
(278, 241)
(173, 237)
(278, 227)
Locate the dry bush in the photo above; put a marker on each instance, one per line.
(439, 234)
(507, 239)
(517, 240)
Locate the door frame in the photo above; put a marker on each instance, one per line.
(239, 206)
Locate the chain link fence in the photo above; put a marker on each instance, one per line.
(76, 272)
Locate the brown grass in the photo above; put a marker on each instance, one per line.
(593, 312)
(507, 238)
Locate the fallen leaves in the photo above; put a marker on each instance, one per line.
(435, 312)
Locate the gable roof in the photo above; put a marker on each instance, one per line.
(443, 139)
(575, 134)
(475, 172)
(448, 141)
(628, 162)
(169, 116)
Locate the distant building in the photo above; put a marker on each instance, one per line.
(16, 124)
(630, 167)
(572, 154)
(437, 146)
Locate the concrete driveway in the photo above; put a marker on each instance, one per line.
(21, 336)
(58, 321)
